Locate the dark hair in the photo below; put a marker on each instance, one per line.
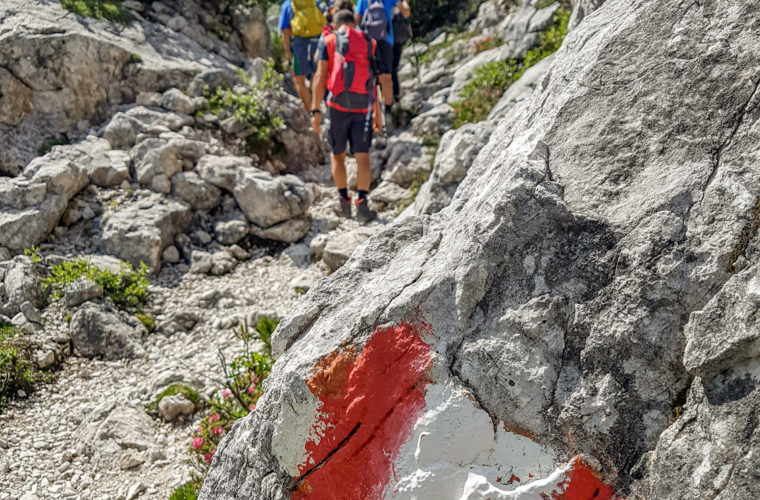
(343, 17)
(344, 5)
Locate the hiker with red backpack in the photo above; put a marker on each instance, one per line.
(301, 23)
(346, 70)
(374, 16)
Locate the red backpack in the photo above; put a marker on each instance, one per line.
(352, 74)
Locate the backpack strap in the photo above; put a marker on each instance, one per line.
(370, 55)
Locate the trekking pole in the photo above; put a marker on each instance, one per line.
(416, 59)
(368, 114)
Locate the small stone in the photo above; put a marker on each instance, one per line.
(200, 262)
(80, 291)
(20, 393)
(45, 359)
(31, 313)
(239, 253)
(171, 254)
(172, 407)
(202, 237)
(131, 459)
(135, 490)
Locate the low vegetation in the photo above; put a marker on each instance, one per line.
(128, 289)
(243, 379)
(16, 370)
(487, 43)
(491, 80)
(248, 107)
(109, 10)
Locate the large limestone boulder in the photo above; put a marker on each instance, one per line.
(140, 231)
(60, 74)
(266, 200)
(33, 203)
(527, 341)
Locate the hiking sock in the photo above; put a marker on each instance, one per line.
(344, 193)
(362, 194)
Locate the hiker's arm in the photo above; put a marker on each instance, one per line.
(358, 19)
(318, 93)
(286, 43)
(403, 7)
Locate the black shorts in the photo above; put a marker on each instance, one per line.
(349, 127)
(384, 57)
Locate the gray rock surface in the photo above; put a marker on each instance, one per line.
(267, 200)
(80, 291)
(556, 287)
(456, 153)
(98, 332)
(82, 70)
(340, 247)
(140, 231)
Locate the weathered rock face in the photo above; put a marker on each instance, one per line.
(60, 74)
(544, 313)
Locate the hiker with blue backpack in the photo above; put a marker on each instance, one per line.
(346, 70)
(301, 23)
(375, 18)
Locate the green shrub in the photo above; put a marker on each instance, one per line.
(48, 145)
(148, 321)
(128, 289)
(34, 254)
(244, 377)
(246, 107)
(135, 59)
(110, 10)
(491, 80)
(16, 369)
(174, 389)
(185, 492)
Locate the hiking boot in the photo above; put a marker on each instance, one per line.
(345, 206)
(363, 212)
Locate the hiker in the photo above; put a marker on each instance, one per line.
(301, 23)
(402, 33)
(346, 70)
(374, 16)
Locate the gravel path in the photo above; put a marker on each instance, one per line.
(86, 436)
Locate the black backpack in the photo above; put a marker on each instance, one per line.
(402, 29)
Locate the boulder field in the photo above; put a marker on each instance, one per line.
(579, 322)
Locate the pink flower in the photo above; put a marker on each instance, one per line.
(254, 379)
(207, 456)
(217, 430)
(197, 443)
(251, 389)
(253, 407)
(226, 393)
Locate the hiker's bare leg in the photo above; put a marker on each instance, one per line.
(386, 85)
(363, 172)
(339, 169)
(303, 90)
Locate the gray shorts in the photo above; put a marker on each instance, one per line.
(304, 52)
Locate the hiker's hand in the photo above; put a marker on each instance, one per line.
(316, 122)
(289, 56)
(377, 122)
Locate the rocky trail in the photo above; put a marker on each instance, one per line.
(558, 299)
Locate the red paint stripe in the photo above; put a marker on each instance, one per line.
(369, 405)
(583, 483)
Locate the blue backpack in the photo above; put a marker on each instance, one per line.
(375, 21)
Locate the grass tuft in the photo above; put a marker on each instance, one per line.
(109, 10)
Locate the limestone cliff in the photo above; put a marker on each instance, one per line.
(537, 336)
